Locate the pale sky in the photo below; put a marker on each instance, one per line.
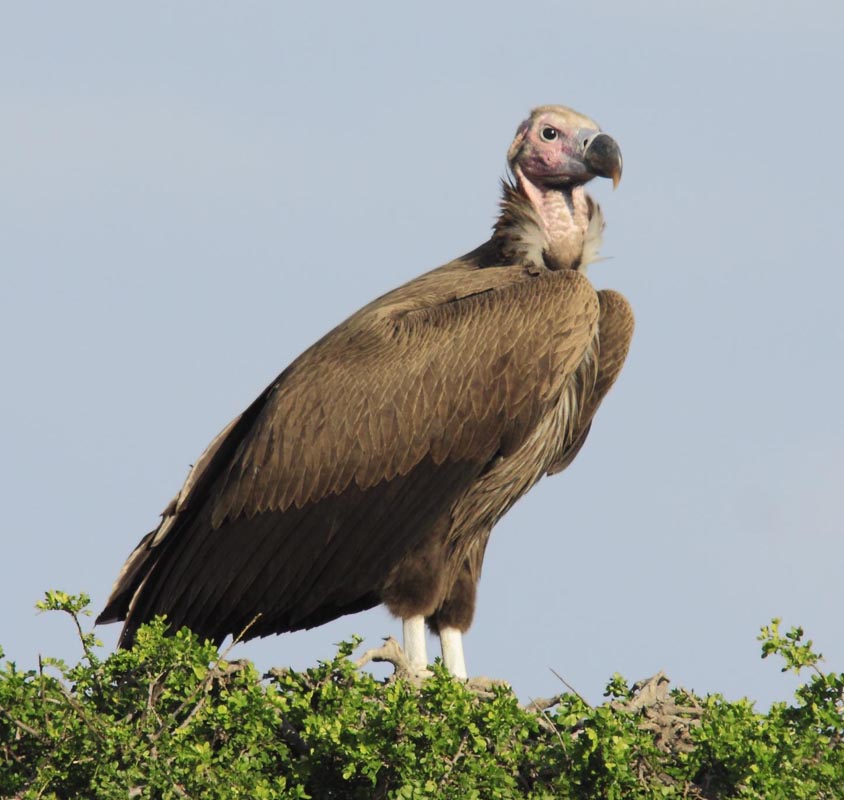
(193, 193)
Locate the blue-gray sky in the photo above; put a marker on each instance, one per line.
(192, 193)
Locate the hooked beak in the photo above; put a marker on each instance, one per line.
(603, 158)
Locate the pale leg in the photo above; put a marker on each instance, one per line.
(451, 641)
(413, 633)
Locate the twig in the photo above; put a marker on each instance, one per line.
(549, 725)
(87, 650)
(24, 727)
(79, 710)
(571, 688)
(193, 712)
(239, 637)
(153, 693)
(452, 761)
(41, 687)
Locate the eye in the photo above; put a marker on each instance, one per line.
(549, 134)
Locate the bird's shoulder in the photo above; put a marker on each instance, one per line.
(455, 291)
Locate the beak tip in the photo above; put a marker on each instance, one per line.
(603, 158)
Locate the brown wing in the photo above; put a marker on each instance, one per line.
(357, 450)
(615, 330)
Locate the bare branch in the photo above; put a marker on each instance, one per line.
(571, 688)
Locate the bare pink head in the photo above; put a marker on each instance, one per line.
(557, 148)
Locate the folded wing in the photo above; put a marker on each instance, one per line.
(359, 450)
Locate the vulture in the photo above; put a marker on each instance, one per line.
(373, 469)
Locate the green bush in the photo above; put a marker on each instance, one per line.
(172, 718)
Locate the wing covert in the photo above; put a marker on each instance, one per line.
(393, 384)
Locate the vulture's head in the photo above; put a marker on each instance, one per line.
(556, 148)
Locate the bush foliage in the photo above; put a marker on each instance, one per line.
(172, 718)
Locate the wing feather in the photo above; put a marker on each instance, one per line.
(359, 449)
(615, 331)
